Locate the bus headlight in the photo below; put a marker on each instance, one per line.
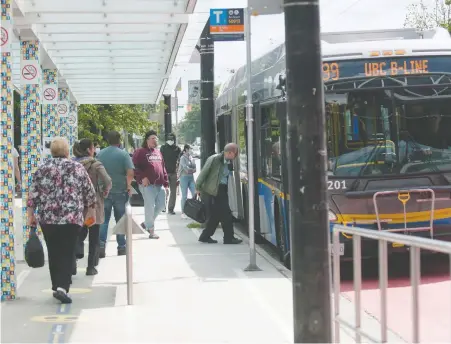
(332, 216)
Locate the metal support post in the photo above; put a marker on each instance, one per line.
(207, 105)
(250, 142)
(129, 253)
(7, 187)
(309, 222)
(167, 114)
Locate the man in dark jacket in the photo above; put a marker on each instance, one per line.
(212, 184)
(171, 154)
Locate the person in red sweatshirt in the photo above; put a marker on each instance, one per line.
(151, 176)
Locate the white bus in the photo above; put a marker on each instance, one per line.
(388, 120)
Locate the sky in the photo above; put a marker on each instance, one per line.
(269, 31)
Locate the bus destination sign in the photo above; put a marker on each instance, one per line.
(338, 70)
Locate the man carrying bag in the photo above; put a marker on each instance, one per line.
(212, 185)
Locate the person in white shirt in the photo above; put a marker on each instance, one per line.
(16, 167)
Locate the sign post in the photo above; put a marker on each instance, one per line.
(234, 24)
(307, 179)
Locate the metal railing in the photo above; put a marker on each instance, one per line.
(129, 252)
(416, 244)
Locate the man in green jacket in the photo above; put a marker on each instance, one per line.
(212, 185)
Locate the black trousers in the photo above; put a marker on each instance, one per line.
(218, 211)
(94, 244)
(60, 241)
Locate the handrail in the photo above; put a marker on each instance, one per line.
(129, 252)
(416, 245)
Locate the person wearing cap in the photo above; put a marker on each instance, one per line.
(171, 155)
(152, 178)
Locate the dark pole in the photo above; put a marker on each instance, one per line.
(309, 222)
(167, 114)
(207, 101)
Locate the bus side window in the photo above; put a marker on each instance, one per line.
(270, 144)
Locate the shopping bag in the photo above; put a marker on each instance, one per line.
(195, 209)
(34, 252)
(90, 217)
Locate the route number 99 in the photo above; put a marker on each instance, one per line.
(336, 184)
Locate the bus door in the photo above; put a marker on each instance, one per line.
(281, 110)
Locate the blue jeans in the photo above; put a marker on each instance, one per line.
(154, 202)
(187, 182)
(117, 202)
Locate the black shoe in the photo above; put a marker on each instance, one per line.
(62, 296)
(208, 240)
(121, 251)
(143, 226)
(91, 271)
(163, 211)
(102, 253)
(171, 212)
(233, 241)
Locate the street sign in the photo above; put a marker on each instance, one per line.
(227, 24)
(194, 92)
(265, 7)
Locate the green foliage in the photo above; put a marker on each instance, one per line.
(423, 17)
(96, 120)
(189, 127)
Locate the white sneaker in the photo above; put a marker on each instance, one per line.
(184, 217)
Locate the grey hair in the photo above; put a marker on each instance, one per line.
(231, 147)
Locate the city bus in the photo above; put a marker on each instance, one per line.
(388, 124)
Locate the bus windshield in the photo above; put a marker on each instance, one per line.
(388, 132)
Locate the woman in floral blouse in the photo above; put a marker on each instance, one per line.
(60, 193)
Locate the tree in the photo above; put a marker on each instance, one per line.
(422, 17)
(189, 127)
(95, 120)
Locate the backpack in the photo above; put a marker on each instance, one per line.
(88, 165)
(90, 215)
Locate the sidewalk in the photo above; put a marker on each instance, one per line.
(184, 291)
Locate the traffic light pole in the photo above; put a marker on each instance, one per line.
(309, 222)
(167, 114)
(207, 101)
(250, 141)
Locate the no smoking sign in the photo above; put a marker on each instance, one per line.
(5, 37)
(62, 110)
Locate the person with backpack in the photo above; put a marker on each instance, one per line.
(84, 151)
(187, 168)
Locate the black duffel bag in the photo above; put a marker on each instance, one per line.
(194, 208)
(34, 252)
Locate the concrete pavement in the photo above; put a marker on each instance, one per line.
(184, 291)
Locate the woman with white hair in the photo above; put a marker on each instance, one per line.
(60, 194)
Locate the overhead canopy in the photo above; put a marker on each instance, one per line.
(109, 51)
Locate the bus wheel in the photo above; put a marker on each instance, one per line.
(280, 233)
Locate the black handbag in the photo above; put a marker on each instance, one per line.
(195, 209)
(34, 252)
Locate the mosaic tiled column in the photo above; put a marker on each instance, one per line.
(72, 121)
(63, 112)
(8, 278)
(30, 104)
(49, 108)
